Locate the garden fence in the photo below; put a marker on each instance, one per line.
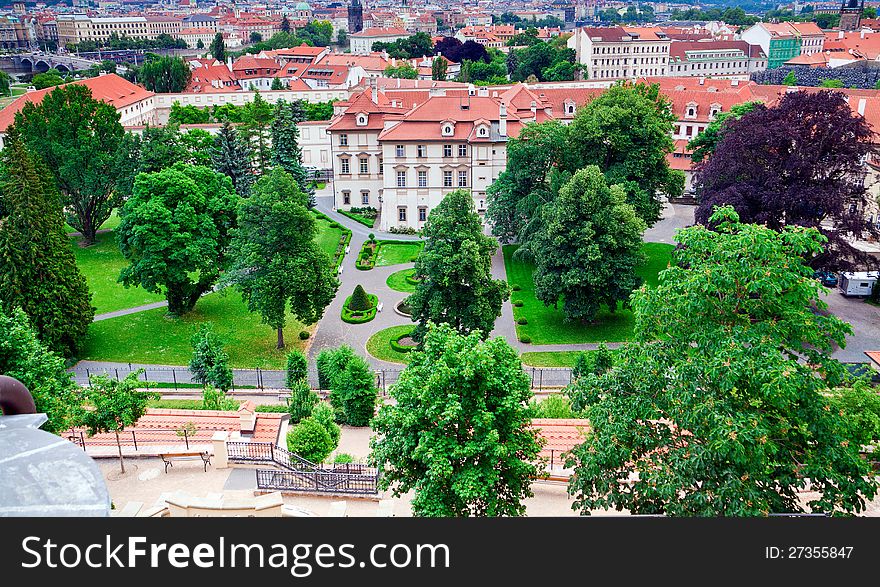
(180, 378)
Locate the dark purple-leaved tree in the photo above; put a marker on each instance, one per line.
(798, 163)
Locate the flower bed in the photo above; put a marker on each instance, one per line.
(357, 316)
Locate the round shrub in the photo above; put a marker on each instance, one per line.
(297, 368)
(302, 401)
(304, 335)
(518, 303)
(395, 343)
(522, 321)
(323, 414)
(525, 339)
(334, 225)
(372, 237)
(310, 440)
(515, 287)
(413, 259)
(343, 458)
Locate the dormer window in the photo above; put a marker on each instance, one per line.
(447, 129)
(483, 131)
(714, 109)
(569, 107)
(691, 110)
(362, 119)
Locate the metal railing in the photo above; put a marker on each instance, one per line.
(180, 378)
(320, 481)
(294, 473)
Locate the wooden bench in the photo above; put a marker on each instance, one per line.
(185, 456)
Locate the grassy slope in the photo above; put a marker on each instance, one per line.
(328, 238)
(154, 337)
(101, 264)
(547, 325)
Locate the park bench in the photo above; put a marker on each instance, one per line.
(168, 457)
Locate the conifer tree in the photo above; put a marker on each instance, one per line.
(285, 144)
(38, 271)
(218, 48)
(232, 157)
(359, 300)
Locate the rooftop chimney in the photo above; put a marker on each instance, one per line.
(862, 34)
(502, 119)
(840, 34)
(862, 103)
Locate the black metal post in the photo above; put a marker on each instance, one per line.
(135, 440)
(88, 378)
(145, 376)
(533, 377)
(82, 440)
(551, 458)
(174, 376)
(117, 374)
(541, 380)
(186, 438)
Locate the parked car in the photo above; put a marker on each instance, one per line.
(859, 283)
(826, 278)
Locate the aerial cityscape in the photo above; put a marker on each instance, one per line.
(402, 258)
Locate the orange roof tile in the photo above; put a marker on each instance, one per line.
(560, 435)
(110, 88)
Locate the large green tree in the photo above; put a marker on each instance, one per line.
(256, 129)
(455, 271)
(43, 372)
(627, 132)
(38, 271)
(175, 230)
(587, 247)
(276, 263)
(703, 145)
(725, 404)
(85, 147)
(233, 158)
(162, 146)
(458, 433)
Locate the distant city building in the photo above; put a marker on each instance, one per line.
(715, 59)
(610, 53)
(355, 17)
(851, 14)
(362, 42)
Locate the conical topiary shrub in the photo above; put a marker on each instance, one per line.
(359, 300)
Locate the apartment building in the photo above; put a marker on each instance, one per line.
(610, 53)
(362, 42)
(715, 58)
(75, 28)
(779, 41)
(314, 145)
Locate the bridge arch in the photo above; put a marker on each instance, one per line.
(62, 68)
(42, 66)
(27, 63)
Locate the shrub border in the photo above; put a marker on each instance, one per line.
(371, 261)
(358, 218)
(370, 314)
(395, 343)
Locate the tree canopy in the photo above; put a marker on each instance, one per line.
(276, 263)
(801, 170)
(723, 405)
(174, 231)
(455, 271)
(164, 74)
(90, 155)
(587, 247)
(38, 271)
(458, 433)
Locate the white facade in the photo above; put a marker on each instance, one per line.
(619, 53)
(315, 144)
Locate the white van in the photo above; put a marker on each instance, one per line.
(859, 283)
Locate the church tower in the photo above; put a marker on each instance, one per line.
(851, 15)
(355, 17)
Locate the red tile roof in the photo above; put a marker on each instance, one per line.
(874, 356)
(109, 88)
(560, 435)
(680, 48)
(159, 426)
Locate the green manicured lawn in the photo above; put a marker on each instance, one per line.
(154, 337)
(101, 264)
(328, 238)
(397, 281)
(109, 224)
(368, 222)
(547, 325)
(552, 358)
(396, 252)
(379, 345)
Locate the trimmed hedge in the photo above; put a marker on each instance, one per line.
(515, 287)
(518, 303)
(304, 335)
(358, 218)
(395, 343)
(412, 280)
(359, 317)
(522, 321)
(525, 339)
(367, 256)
